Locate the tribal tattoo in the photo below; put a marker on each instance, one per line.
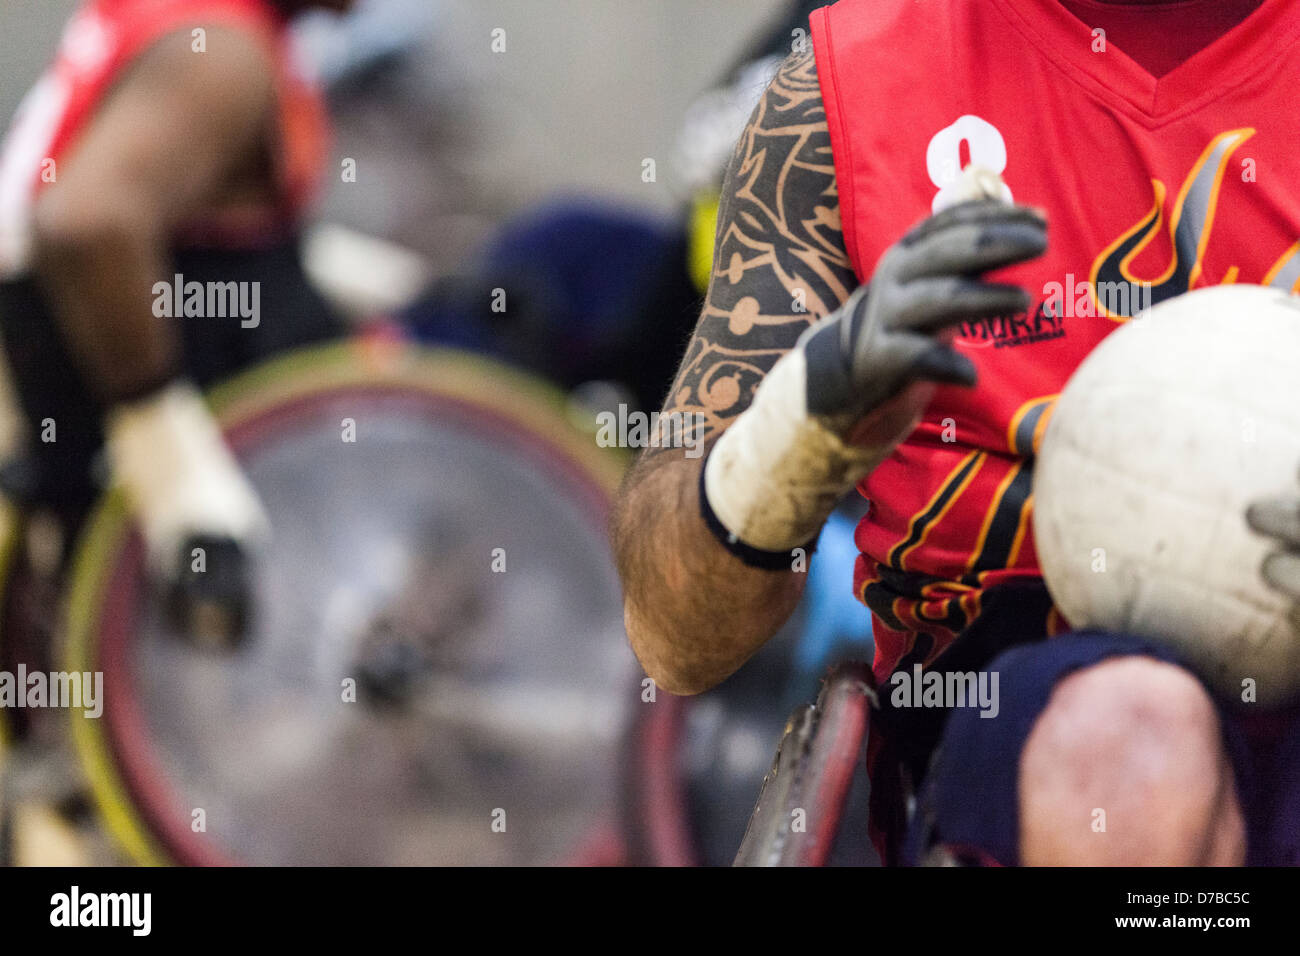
(779, 261)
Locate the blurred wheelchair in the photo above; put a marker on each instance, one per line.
(436, 670)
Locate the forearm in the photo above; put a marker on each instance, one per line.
(99, 280)
(696, 607)
(694, 612)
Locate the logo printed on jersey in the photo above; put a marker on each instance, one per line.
(1117, 291)
(1113, 290)
(1043, 324)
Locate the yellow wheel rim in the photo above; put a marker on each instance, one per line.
(443, 373)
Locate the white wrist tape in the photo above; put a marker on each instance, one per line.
(777, 472)
(167, 453)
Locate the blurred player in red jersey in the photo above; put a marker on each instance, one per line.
(150, 194)
(871, 324)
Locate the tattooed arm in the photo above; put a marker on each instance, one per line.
(802, 385)
(695, 612)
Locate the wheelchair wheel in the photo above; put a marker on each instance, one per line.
(436, 671)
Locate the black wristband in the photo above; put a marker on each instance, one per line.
(749, 555)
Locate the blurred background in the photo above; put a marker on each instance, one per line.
(576, 168)
(584, 93)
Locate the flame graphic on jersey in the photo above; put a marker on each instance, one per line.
(1115, 288)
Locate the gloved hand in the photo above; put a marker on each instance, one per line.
(201, 519)
(1279, 518)
(827, 413)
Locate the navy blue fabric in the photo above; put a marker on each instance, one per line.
(969, 797)
(593, 292)
(1274, 824)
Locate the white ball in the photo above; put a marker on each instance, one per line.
(1160, 440)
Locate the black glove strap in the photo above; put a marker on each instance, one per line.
(751, 556)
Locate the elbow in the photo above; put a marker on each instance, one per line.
(666, 665)
(677, 681)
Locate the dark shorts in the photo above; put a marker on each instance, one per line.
(60, 476)
(968, 799)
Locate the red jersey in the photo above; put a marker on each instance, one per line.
(99, 43)
(1151, 186)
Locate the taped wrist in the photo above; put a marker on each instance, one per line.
(168, 455)
(754, 557)
(775, 475)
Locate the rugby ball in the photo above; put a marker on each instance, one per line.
(1162, 437)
